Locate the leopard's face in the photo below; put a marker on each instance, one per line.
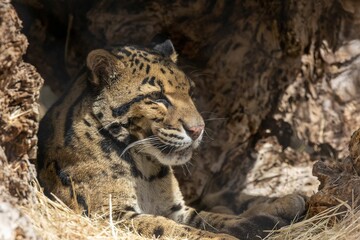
(146, 96)
(171, 125)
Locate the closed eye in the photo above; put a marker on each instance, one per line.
(164, 101)
(159, 97)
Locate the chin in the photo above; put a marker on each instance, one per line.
(176, 158)
(173, 158)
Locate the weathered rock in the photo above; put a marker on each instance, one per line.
(19, 91)
(13, 224)
(339, 180)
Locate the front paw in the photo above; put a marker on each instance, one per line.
(289, 207)
(272, 214)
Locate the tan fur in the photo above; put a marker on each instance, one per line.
(118, 130)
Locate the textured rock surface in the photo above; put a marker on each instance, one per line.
(340, 180)
(19, 91)
(316, 116)
(13, 224)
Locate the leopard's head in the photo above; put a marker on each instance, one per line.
(143, 98)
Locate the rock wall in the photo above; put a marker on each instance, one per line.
(19, 91)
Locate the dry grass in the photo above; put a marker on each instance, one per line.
(54, 220)
(324, 226)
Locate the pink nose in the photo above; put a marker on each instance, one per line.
(195, 132)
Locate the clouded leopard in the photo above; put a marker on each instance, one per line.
(118, 130)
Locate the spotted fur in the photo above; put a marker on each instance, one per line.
(115, 134)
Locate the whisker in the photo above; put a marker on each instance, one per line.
(141, 141)
(144, 147)
(187, 168)
(207, 112)
(183, 170)
(213, 119)
(172, 149)
(207, 134)
(164, 147)
(154, 143)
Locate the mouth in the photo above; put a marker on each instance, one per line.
(171, 155)
(168, 148)
(178, 151)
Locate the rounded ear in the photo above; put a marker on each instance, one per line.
(104, 67)
(167, 48)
